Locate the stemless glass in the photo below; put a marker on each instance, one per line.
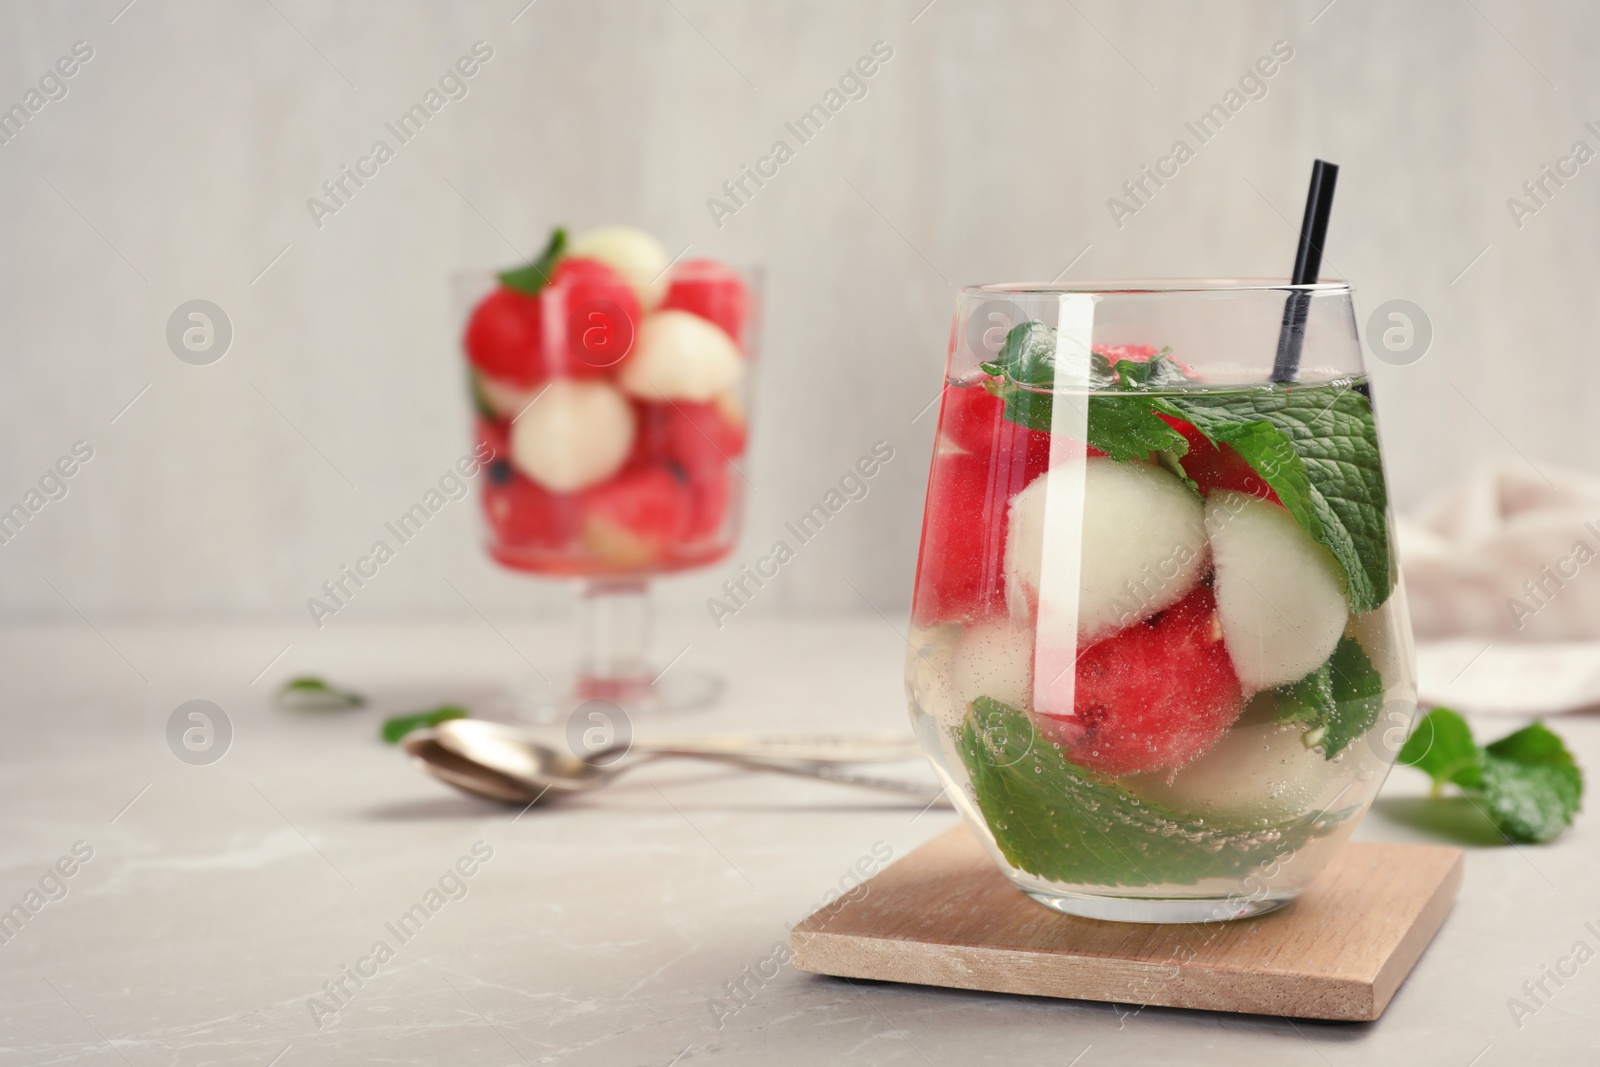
(607, 473)
(1160, 649)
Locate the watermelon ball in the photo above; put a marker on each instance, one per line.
(969, 416)
(1218, 467)
(963, 540)
(521, 514)
(504, 338)
(1153, 696)
(601, 313)
(702, 436)
(1141, 547)
(712, 291)
(974, 421)
(629, 520)
(575, 435)
(679, 356)
(632, 253)
(711, 495)
(1280, 594)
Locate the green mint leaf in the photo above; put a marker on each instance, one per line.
(397, 727)
(1528, 780)
(480, 402)
(1532, 784)
(1125, 428)
(1321, 457)
(1531, 803)
(533, 277)
(1442, 747)
(309, 693)
(1338, 702)
(1058, 821)
(1153, 373)
(1535, 744)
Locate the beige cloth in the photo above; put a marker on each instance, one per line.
(1503, 577)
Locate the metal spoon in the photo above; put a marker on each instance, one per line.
(502, 763)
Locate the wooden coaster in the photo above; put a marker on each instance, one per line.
(945, 916)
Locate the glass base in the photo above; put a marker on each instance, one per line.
(680, 689)
(1136, 910)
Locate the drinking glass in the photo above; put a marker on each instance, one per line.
(607, 478)
(1160, 652)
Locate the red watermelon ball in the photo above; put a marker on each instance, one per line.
(959, 573)
(601, 312)
(1215, 467)
(712, 291)
(1153, 696)
(520, 513)
(628, 520)
(504, 338)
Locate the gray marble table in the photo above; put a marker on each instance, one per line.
(231, 913)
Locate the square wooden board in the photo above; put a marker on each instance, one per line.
(945, 916)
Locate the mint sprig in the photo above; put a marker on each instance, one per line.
(533, 277)
(1318, 452)
(1061, 822)
(398, 726)
(1528, 781)
(1337, 702)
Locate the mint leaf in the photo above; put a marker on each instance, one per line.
(1125, 428)
(533, 277)
(1442, 747)
(1320, 456)
(1061, 822)
(1531, 804)
(1153, 373)
(1532, 784)
(1338, 702)
(309, 693)
(480, 401)
(398, 726)
(1528, 780)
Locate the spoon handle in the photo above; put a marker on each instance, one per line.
(929, 794)
(832, 748)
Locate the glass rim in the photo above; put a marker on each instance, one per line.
(1146, 286)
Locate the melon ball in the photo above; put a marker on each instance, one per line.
(503, 398)
(1280, 594)
(576, 434)
(994, 659)
(1142, 546)
(632, 253)
(680, 356)
(1259, 769)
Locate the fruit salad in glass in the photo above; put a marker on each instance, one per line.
(612, 386)
(1160, 652)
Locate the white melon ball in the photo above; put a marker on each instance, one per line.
(1142, 546)
(503, 398)
(1280, 594)
(1260, 769)
(680, 356)
(576, 434)
(632, 253)
(995, 659)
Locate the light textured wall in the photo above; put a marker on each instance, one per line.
(180, 162)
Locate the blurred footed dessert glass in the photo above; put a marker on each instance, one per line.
(611, 386)
(1159, 651)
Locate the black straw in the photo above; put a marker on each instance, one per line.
(1307, 267)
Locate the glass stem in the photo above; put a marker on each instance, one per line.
(615, 617)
